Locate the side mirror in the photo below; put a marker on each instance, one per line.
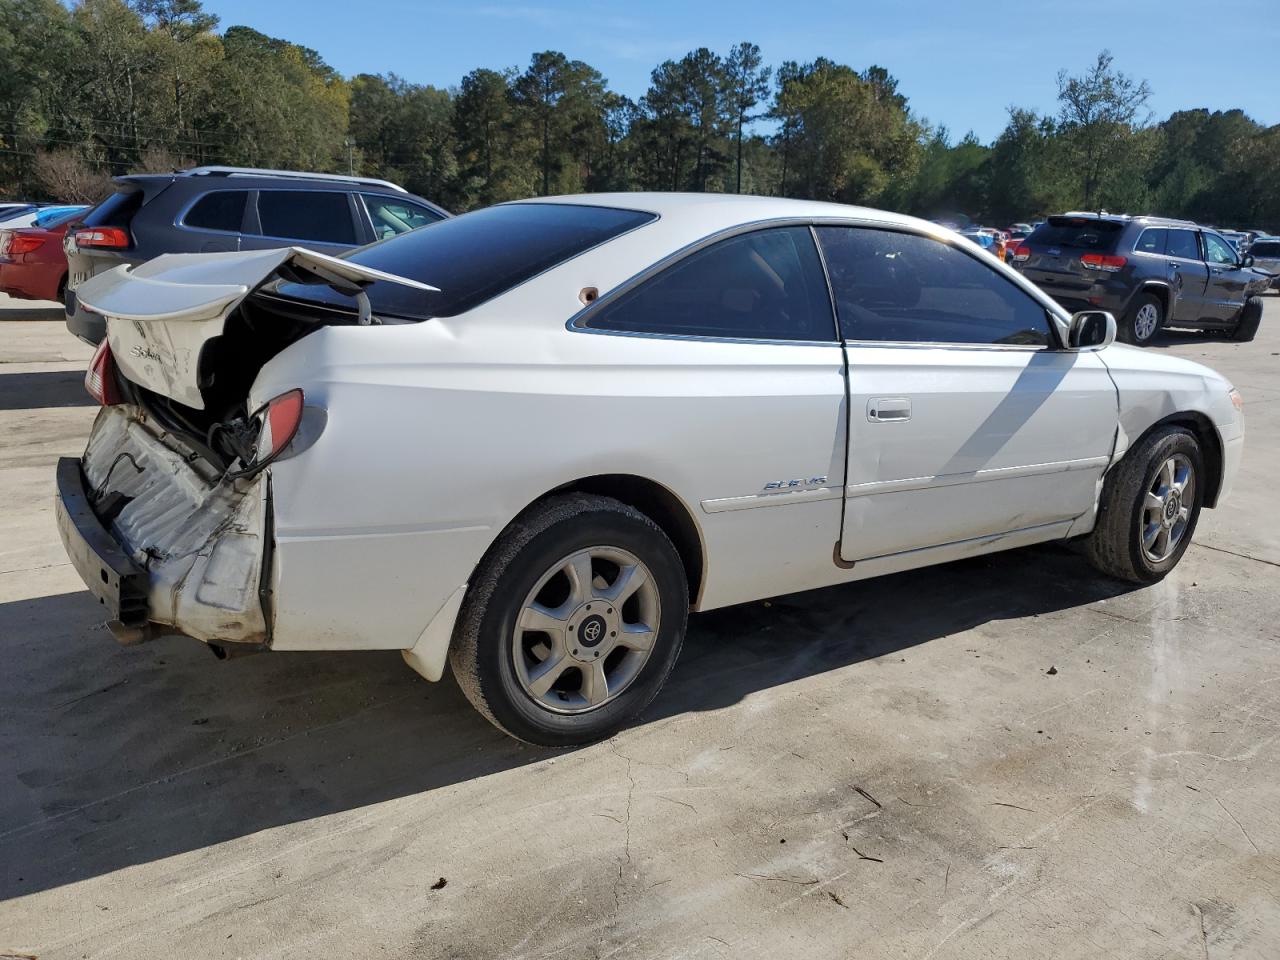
(1246, 260)
(1091, 330)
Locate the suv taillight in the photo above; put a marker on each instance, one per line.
(105, 238)
(1021, 253)
(1104, 262)
(100, 378)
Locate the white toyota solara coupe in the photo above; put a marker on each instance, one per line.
(530, 439)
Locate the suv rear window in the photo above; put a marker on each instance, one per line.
(1083, 233)
(1266, 248)
(115, 211)
(475, 257)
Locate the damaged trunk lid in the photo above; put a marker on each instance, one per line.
(161, 315)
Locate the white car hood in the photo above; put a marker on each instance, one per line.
(161, 313)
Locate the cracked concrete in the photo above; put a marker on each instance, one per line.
(885, 769)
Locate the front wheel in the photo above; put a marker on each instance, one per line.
(1144, 319)
(1149, 507)
(573, 621)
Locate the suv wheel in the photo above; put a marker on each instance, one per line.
(573, 621)
(1149, 508)
(1246, 327)
(1144, 319)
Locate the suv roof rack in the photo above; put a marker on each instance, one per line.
(216, 171)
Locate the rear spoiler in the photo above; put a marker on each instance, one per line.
(177, 302)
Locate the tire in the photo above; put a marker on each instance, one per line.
(1137, 327)
(504, 663)
(1246, 327)
(1115, 547)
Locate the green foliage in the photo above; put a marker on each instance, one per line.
(102, 87)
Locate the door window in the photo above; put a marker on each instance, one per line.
(323, 216)
(900, 287)
(1218, 251)
(391, 216)
(765, 285)
(1182, 243)
(1151, 241)
(219, 210)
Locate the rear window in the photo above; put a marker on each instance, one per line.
(115, 211)
(475, 257)
(1265, 248)
(1081, 233)
(322, 216)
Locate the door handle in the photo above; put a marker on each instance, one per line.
(888, 409)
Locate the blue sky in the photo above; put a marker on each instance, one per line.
(961, 63)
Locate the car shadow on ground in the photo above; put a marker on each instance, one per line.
(116, 757)
(48, 388)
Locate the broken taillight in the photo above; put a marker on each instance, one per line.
(100, 378)
(279, 424)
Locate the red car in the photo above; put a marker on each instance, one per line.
(32, 264)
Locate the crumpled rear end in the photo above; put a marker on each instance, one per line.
(200, 538)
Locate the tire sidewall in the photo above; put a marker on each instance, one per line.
(1175, 441)
(1250, 319)
(512, 707)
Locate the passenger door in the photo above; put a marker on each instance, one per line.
(322, 220)
(1188, 274)
(965, 419)
(735, 344)
(1225, 292)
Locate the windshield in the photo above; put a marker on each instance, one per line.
(475, 257)
(1265, 248)
(1081, 232)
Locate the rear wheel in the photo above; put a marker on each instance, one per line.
(573, 621)
(1246, 327)
(1144, 319)
(1149, 508)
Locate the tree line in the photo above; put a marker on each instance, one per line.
(112, 86)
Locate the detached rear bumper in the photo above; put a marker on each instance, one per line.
(111, 576)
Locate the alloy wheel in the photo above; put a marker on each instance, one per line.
(1166, 509)
(1145, 321)
(586, 629)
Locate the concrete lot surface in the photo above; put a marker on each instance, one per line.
(1003, 758)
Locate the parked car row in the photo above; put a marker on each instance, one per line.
(1149, 272)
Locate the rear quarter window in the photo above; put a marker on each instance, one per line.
(219, 210)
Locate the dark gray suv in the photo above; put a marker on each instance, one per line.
(1147, 271)
(210, 209)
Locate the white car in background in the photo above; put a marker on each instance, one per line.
(529, 440)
